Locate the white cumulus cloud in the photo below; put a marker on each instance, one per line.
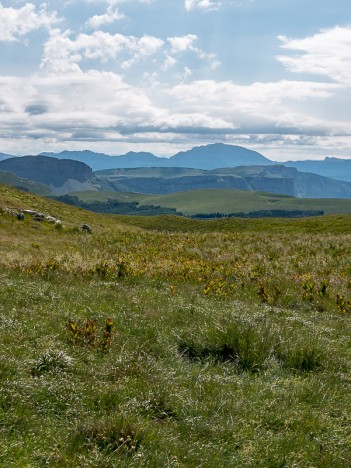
(63, 54)
(109, 17)
(327, 53)
(203, 5)
(180, 44)
(18, 22)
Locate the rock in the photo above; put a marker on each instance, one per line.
(31, 212)
(51, 219)
(38, 217)
(86, 228)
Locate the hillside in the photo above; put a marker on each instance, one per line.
(169, 341)
(24, 184)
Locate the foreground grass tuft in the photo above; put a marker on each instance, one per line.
(51, 361)
(250, 345)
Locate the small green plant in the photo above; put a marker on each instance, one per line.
(85, 334)
(308, 287)
(51, 361)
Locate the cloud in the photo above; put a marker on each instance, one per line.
(183, 44)
(109, 17)
(71, 100)
(169, 62)
(16, 23)
(65, 52)
(36, 109)
(327, 53)
(118, 2)
(62, 54)
(102, 106)
(203, 5)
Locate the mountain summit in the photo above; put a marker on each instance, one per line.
(218, 155)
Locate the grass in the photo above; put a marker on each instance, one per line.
(222, 352)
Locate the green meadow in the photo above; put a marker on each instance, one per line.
(230, 343)
(223, 201)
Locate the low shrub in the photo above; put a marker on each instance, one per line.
(86, 334)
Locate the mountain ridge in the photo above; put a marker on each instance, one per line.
(216, 155)
(277, 179)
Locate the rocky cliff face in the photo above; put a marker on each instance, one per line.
(49, 171)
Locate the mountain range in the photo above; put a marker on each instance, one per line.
(202, 157)
(211, 156)
(213, 166)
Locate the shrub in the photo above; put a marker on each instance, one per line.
(85, 335)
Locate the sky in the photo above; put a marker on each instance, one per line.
(164, 76)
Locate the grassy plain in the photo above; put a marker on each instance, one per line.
(223, 201)
(230, 347)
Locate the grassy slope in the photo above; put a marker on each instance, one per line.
(24, 184)
(224, 201)
(223, 352)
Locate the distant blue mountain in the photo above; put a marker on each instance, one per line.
(218, 155)
(100, 161)
(5, 156)
(335, 168)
